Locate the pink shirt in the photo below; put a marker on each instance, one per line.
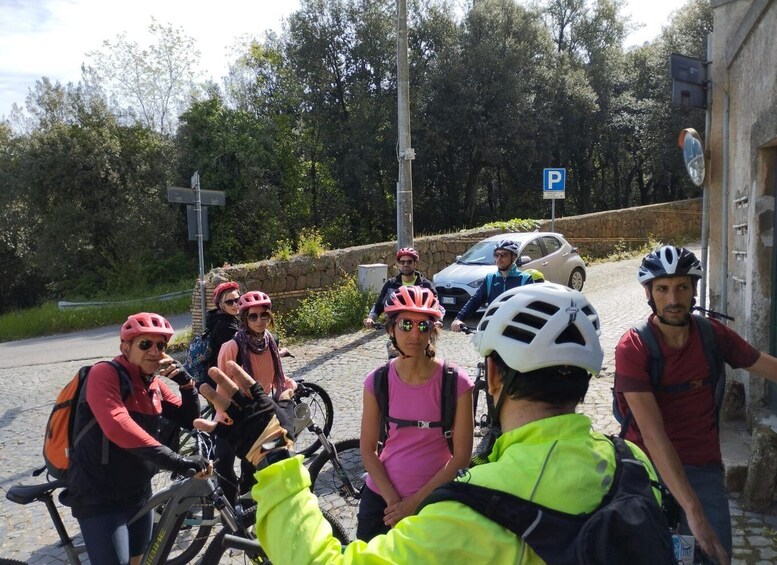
(261, 366)
(413, 455)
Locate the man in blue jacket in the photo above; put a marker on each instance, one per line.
(507, 276)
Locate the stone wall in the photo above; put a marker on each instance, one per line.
(595, 235)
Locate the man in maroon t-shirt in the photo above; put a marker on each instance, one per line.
(679, 429)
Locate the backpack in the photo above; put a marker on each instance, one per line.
(197, 357)
(60, 433)
(448, 405)
(716, 380)
(628, 526)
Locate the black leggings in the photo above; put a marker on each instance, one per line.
(225, 470)
(370, 516)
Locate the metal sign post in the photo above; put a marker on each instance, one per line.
(553, 188)
(193, 195)
(198, 209)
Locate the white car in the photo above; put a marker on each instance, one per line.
(546, 252)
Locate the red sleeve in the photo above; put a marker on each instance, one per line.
(736, 352)
(103, 393)
(632, 359)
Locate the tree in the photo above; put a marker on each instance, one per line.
(152, 85)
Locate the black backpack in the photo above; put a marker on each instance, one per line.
(448, 404)
(627, 527)
(716, 381)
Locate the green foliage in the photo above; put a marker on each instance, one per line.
(514, 225)
(283, 250)
(311, 243)
(48, 319)
(623, 250)
(331, 311)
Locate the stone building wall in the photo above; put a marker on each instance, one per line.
(596, 235)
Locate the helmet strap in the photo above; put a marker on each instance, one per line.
(507, 384)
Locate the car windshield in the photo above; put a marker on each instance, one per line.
(480, 254)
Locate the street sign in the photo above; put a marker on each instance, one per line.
(181, 195)
(191, 223)
(689, 81)
(554, 183)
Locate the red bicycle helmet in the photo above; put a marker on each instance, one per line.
(253, 298)
(222, 288)
(413, 299)
(407, 251)
(145, 323)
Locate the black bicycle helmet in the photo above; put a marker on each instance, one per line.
(669, 261)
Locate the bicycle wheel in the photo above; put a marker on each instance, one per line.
(194, 530)
(327, 482)
(322, 413)
(11, 562)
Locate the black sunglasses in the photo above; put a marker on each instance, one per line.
(406, 325)
(230, 301)
(146, 344)
(406, 261)
(253, 316)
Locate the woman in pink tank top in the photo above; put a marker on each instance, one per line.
(415, 459)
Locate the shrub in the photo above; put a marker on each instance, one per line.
(331, 311)
(311, 242)
(283, 250)
(515, 225)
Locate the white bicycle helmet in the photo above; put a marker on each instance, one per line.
(507, 245)
(541, 325)
(669, 261)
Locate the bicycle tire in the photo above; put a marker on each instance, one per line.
(322, 412)
(326, 483)
(218, 553)
(11, 562)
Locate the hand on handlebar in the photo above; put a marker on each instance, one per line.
(456, 325)
(368, 322)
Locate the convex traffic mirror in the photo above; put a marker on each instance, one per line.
(693, 154)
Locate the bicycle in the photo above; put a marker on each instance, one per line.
(337, 478)
(233, 544)
(482, 402)
(311, 401)
(177, 501)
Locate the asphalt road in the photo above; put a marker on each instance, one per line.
(84, 346)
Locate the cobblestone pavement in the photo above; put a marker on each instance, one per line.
(340, 365)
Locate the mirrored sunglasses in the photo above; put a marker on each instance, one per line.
(230, 301)
(253, 317)
(406, 325)
(146, 344)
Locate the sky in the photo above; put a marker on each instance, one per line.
(51, 37)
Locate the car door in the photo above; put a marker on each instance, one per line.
(553, 260)
(533, 249)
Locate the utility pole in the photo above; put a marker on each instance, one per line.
(406, 152)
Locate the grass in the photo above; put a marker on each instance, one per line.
(48, 319)
(623, 251)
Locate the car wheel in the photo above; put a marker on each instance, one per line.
(576, 279)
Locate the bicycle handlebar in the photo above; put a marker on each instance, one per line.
(467, 330)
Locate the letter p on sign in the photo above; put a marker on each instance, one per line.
(553, 183)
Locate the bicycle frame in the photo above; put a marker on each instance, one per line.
(178, 498)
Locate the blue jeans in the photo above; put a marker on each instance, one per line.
(708, 482)
(111, 540)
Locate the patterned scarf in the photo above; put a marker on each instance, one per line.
(248, 343)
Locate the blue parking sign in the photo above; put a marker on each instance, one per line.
(554, 183)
